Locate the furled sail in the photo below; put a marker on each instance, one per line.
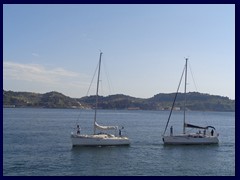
(105, 127)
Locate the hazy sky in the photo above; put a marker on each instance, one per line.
(56, 48)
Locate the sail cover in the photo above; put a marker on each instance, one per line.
(105, 127)
(194, 126)
(198, 127)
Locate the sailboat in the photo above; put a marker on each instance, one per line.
(100, 139)
(208, 136)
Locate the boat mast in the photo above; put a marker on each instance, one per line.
(95, 116)
(185, 97)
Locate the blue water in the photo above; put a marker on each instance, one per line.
(37, 142)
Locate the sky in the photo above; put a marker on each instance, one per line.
(56, 48)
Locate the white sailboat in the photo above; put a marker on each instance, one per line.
(208, 136)
(101, 139)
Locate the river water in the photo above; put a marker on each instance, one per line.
(36, 142)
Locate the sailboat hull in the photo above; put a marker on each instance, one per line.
(99, 140)
(190, 140)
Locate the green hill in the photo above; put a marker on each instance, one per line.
(161, 101)
(195, 101)
(47, 100)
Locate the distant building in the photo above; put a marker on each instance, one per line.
(177, 108)
(133, 108)
(169, 108)
(9, 106)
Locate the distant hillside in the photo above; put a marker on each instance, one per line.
(161, 101)
(196, 101)
(118, 101)
(47, 100)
